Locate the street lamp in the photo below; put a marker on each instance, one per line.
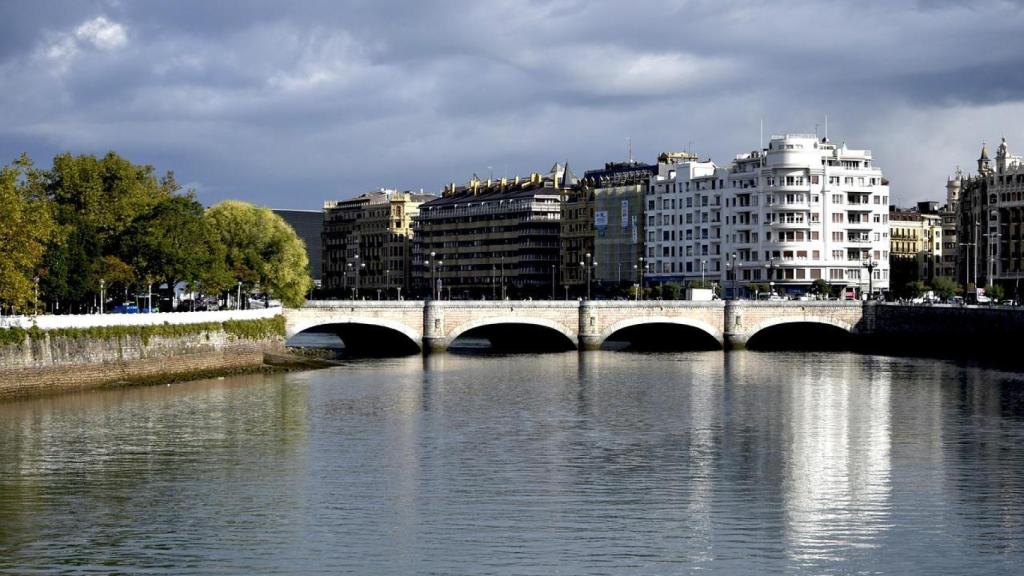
(437, 265)
(433, 276)
(703, 266)
(771, 274)
(356, 267)
(733, 266)
(103, 284)
(870, 265)
(967, 269)
(589, 264)
(993, 251)
(552, 281)
(387, 284)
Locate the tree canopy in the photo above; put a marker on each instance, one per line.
(89, 219)
(26, 226)
(261, 248)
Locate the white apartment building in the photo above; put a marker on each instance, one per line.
(684, 217)
(803, 209)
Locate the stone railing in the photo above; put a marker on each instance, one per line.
(53, 322)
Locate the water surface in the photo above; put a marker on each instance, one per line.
(597, 463)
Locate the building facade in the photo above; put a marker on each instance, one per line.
(990, 221)
(684, 220)
(604, 216)
(804, 209)
(494, 238)
(308, 225)
(915, 252)
(948, 265)
(367, 244)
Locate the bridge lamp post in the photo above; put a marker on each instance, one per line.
(387, 284)
(636, 281)
(437, 266)
(870, 265)
(967, 269)
(552, 281)
(103, 284)
(433, 276)
(356, 267)
(733, 267)
(703, 267)
(771, 273)
(993, 250)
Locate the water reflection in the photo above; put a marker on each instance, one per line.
(592, 462)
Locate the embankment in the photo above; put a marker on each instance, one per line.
(36, 360)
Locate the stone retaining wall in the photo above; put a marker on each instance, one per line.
(62, 363)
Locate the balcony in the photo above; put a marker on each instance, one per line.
(790, 206)
(779, 225)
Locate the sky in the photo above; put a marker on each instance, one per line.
(289, 104)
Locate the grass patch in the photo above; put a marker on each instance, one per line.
(258, 329)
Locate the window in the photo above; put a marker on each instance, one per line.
(837, 254)
(837, 217)
(814, 235)
(837, 236)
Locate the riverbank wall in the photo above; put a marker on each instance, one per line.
(54, 354)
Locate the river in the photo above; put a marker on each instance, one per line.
(593, 463)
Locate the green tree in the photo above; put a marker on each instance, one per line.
(96, 203)
(914, 289)
(944, 287)
(26, 226)
(995, 292)
(821, 287)
(174, 243)
(671, 291)
(261, 247)
(106, 193)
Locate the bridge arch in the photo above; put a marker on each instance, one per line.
(567, 341)
(364, 333)
(699, 325)
(815, 324)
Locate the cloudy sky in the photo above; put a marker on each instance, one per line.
(290, 103)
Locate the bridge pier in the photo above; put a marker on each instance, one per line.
(589, 333)
(434, 339)
(734, 335)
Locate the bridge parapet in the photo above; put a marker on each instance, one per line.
(436, 324)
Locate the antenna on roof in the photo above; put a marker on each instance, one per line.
(826, 126)
(629, 147)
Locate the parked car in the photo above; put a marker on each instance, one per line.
(127, 308)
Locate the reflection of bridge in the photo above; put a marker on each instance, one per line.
(409, 326)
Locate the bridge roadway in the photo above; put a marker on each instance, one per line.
(585, 325)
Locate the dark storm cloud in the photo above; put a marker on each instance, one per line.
(294, 103)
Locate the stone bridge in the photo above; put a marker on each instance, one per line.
(409, 326)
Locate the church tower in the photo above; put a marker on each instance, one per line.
(983, 161)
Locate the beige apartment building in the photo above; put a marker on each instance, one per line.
(367, 244)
